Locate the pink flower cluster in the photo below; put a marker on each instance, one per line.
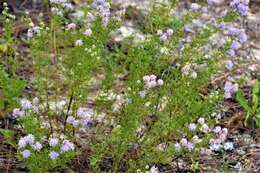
(151, 81)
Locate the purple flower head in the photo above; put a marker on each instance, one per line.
(53, 142)
(37, 146)
(194, 6)
(29, 139)
(26, 154)
(242, 37)
(229, 89)
(67, 146)
(192, 126)
(70, 119)
(18, 113)
(233, 31)
(177, 147)
(241, 6)
(25, 104)
(163, 37)
(229, 64)
(22, 142)
(217, 129)
(222, 26)
(243, 9)
(53, 155)
(190, 146)
(211, 2)
(204, 10)
(231, 53)
(235, 45)
(76, 123)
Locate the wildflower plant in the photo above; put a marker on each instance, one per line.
(149, 97)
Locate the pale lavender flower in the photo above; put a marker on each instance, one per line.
(70, 119)
(26, 154)
(192, 127)
(241, 6)
(53, 142)
(217, 129)
(229, 89)
(53, 155)
(37, 146)
(233, 31)
(67, 146)
(231, 53)
(190, 146)
(18, 113)
(30, 139)
(229, 64)
(222, 26)
(163, 37)
(76, 123)
(242, 37)
(235, 45)
(142, 93)
(211, 2)
(177, 147)
(25, 104)
(204, 10)
(22, 142)
(195, 6)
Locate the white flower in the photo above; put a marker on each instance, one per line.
(201, 121)
(88, 32)
(154, 169)
(78, 42)
(228, 146)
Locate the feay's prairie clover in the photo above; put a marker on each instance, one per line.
(118, 98)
